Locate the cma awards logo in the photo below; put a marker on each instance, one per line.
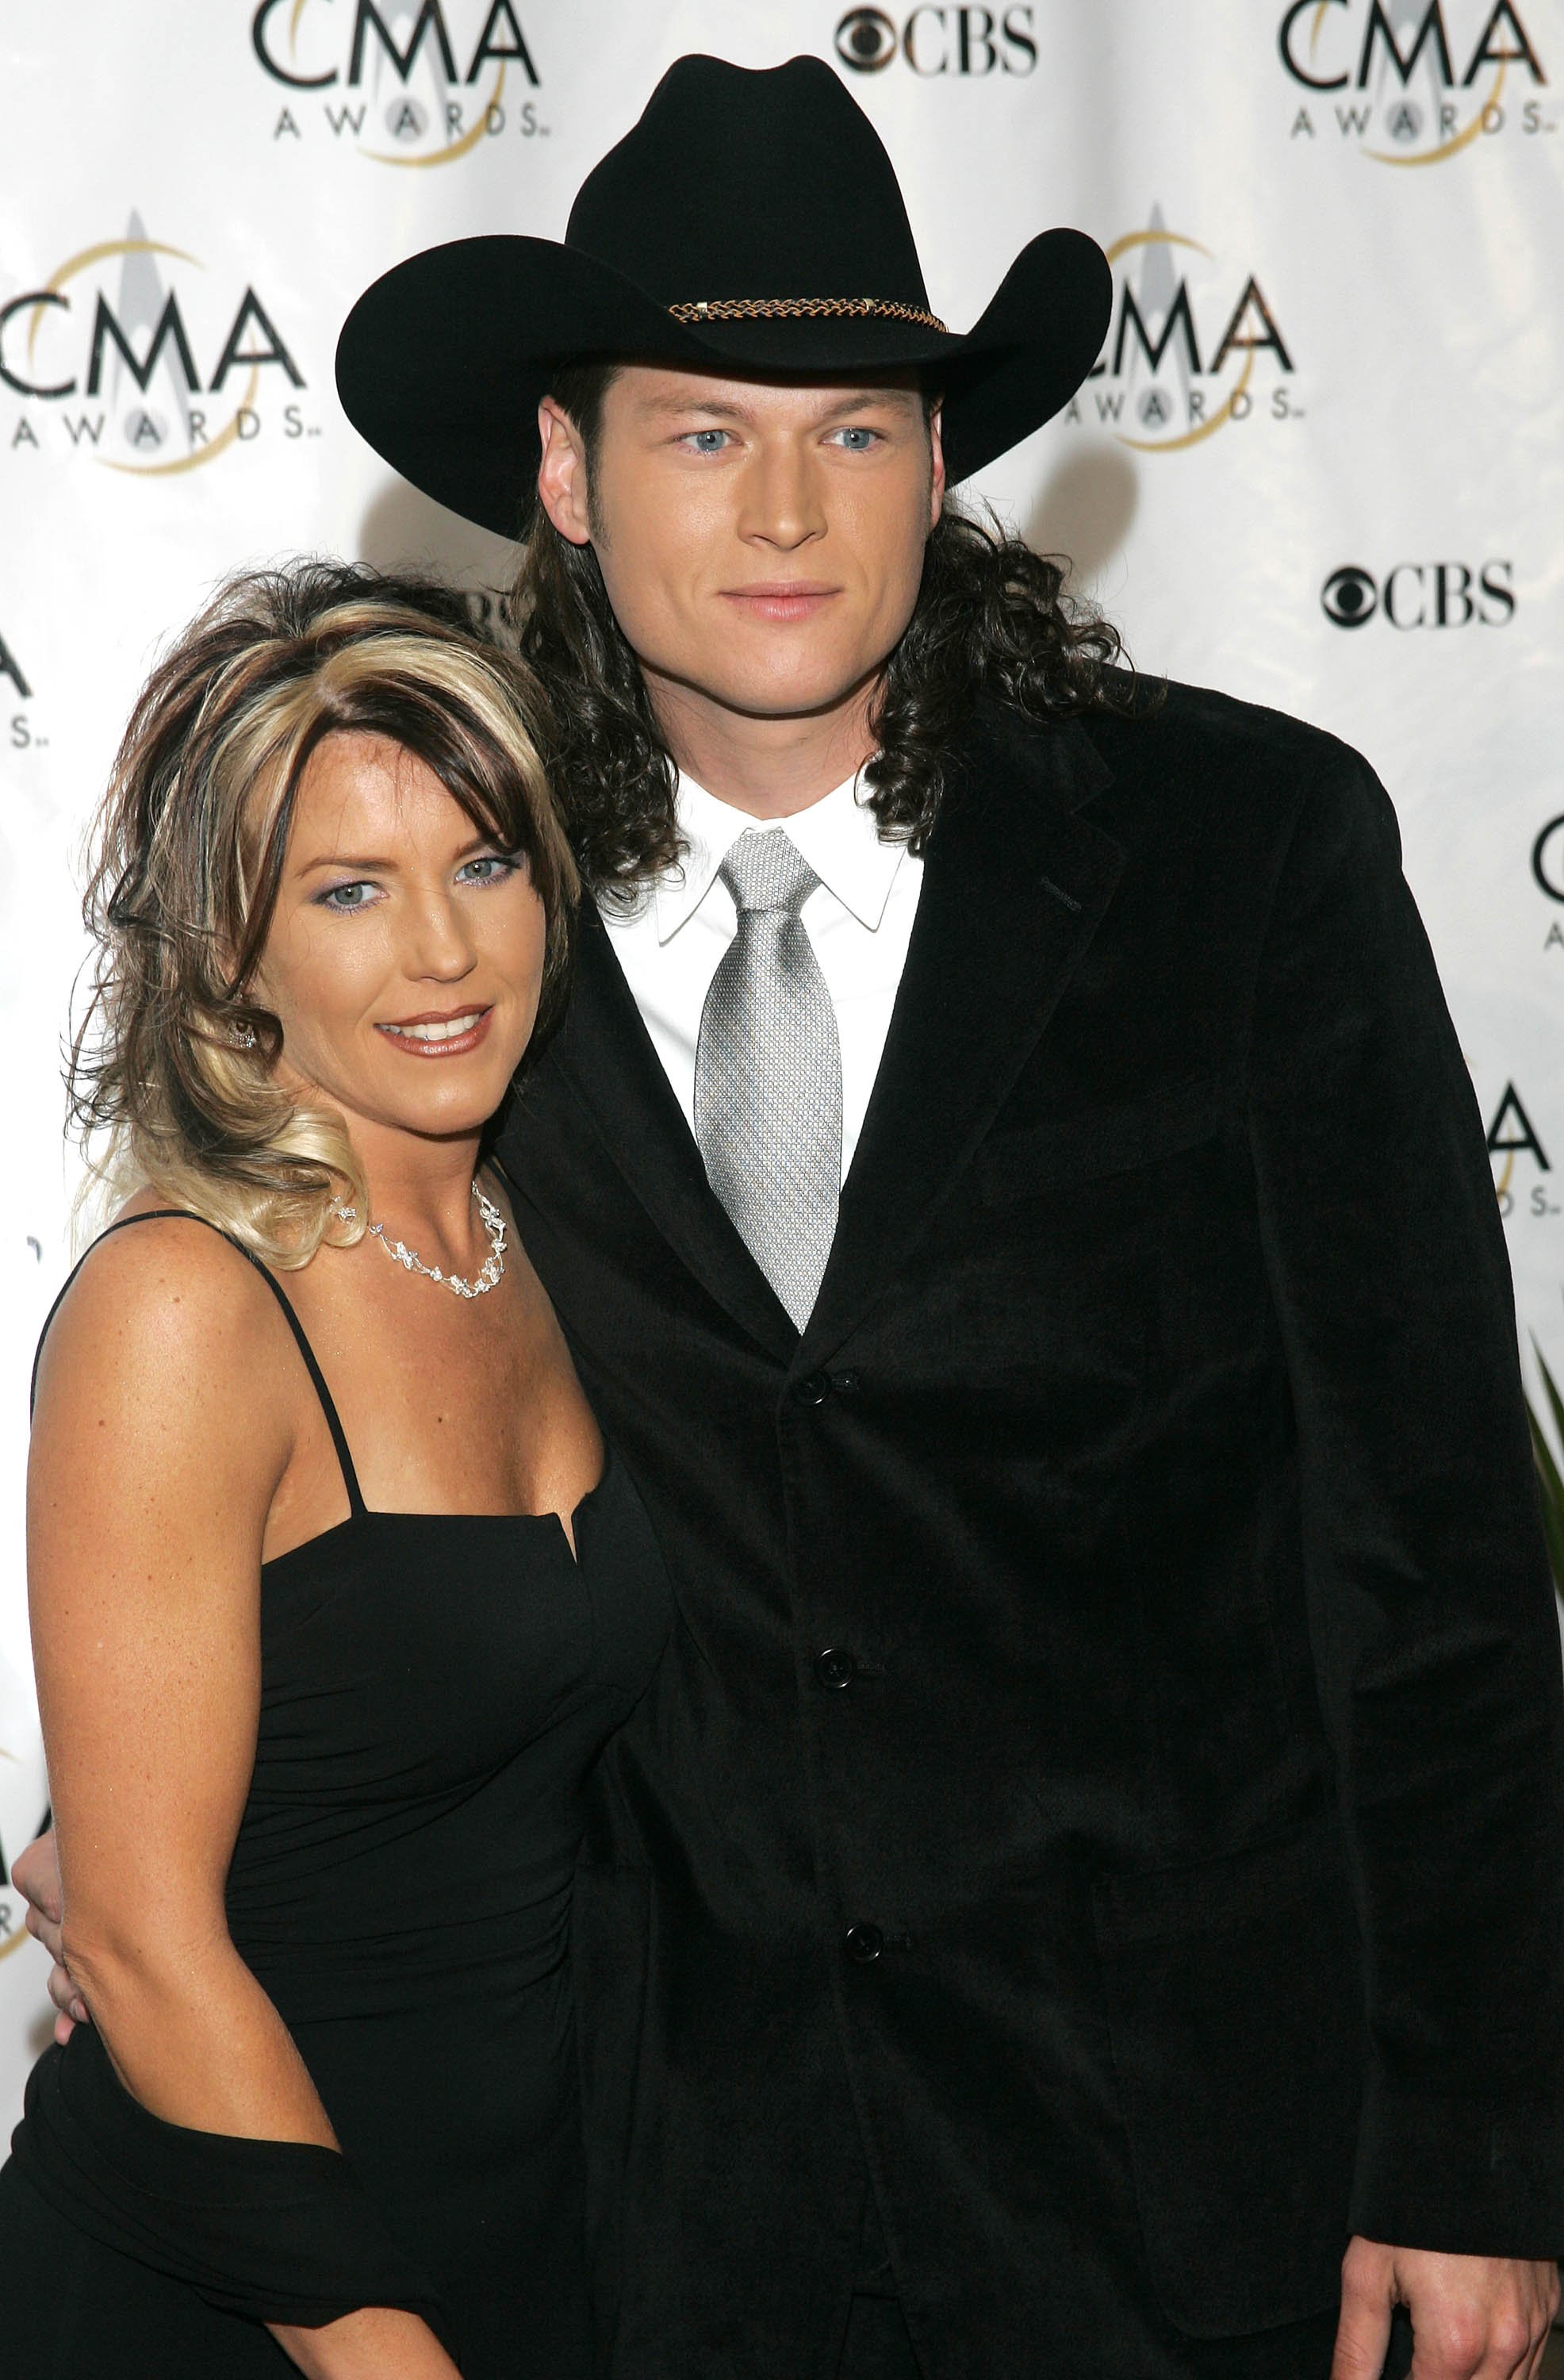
(21, 735)
(1193, 347)
(1423, 595)
(129, 353)
(1522, 1159)
(1547, 872)
(404, 86)
(1413, 82)
(931, 40)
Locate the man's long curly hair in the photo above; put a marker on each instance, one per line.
(991, 618)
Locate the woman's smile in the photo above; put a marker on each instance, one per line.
(432, 1036)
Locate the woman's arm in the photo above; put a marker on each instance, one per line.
(163, 1426)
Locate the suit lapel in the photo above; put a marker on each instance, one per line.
(605, 1056)
(1014, 886)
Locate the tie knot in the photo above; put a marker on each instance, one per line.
(767, 871)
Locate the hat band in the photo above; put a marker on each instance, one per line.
(748, 310)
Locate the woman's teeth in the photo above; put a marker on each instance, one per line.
(451, 1030)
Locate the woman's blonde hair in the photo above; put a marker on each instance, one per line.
(171, 1082)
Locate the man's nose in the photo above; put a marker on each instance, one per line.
(782, 502)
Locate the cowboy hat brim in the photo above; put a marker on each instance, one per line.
(443, 361)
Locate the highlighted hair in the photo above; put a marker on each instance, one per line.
(167, 1089)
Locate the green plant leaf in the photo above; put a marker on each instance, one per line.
(1555, 1402)
(1549, 1480)
(1552, 1502)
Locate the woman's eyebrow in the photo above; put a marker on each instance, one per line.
(387, 866)
(345, 860)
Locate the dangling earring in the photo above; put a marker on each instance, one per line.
(241, 1036)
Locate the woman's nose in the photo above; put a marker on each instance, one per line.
(443, 946)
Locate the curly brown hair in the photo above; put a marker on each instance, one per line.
(991, 618)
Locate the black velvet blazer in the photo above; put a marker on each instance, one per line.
(1107, 1781)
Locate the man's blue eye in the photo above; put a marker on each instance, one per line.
(864, 439)
(699, 437)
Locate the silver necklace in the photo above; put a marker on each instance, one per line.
(493, 1263)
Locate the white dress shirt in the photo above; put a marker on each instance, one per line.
(859, 920)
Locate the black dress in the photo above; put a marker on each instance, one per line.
(434, 1690)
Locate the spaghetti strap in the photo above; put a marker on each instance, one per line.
(186, 1215)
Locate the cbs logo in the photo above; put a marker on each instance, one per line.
(1423, 595)
(934, 41)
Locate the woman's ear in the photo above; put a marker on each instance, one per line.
(562, 473)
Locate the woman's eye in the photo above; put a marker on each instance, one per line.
(493, 868)
(705, 442)
(344, 898)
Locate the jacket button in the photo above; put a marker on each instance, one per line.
(835, 1668)
(813, 1389)
(863, 1944)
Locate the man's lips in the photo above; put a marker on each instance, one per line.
(448, 1033)
(782, 599)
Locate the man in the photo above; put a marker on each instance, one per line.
(1092, 1858)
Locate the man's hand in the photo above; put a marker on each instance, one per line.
(1473, 2317)
(36, 1874)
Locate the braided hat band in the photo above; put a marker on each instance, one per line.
(749, 310)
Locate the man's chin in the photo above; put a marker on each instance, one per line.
(778, 695)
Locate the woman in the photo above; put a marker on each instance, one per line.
(335, 1591)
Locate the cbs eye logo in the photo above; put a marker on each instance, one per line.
(1350, 598)
(867, 40)
(1422, 595)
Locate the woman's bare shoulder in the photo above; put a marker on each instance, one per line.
(165, 1307)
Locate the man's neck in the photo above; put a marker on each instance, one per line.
(770, 766)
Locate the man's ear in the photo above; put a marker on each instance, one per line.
(937, 447)
(562, 473)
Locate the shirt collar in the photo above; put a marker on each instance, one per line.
(839, 836)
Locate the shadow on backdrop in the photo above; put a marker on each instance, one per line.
(1084, 510)
(403, 531)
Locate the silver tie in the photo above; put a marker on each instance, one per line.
(768, 1075)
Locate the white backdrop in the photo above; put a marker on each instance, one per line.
(1321, 462)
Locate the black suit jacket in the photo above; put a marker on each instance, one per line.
(1161, 1878)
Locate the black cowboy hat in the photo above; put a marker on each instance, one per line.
(749, 221)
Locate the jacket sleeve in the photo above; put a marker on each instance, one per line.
(275, 2230)
(1431, 1608)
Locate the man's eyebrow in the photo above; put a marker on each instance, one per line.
(861, 400)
